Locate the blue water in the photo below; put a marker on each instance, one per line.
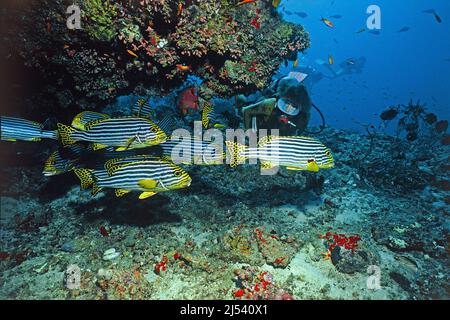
(399, 66)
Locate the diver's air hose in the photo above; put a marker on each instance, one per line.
(322, 127)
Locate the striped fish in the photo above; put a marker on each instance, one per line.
(13, 129)
(189, 150)
(82, 156)
(63, 160)
(149, 176)
(209, 117)
(82, 119)
(294, 153)
(143, 109)
(125, 133)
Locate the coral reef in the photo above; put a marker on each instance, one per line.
(245, 235)
(123, 46)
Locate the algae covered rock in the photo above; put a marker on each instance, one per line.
(240, 246)
(276, 252)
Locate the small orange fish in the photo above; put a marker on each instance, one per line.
(180, 9)
(245, 1)
(66, 46)
(327, 22)
(330, 59)
(183, 67)
(132, 53)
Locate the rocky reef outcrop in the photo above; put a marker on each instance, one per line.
(147, 47)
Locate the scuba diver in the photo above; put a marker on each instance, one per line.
(284, 105)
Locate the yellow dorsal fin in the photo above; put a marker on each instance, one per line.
(145, 195)
(90, 124)
(80, 122)
(121, 192)
(148, 184)
(113, 167)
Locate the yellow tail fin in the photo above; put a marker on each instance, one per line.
(85, 176)
(65, 134)
(49, 166)
(236, 152)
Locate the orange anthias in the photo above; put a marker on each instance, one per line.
(327, 22)
(183, 67)
(246, 1)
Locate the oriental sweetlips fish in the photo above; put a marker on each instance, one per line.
(189, 150)
(13, 129)
(63, 160)
(294, 153)
(149, 175)
(124, 133)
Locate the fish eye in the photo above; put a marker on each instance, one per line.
(178, 174)
(154, 129)
(328, 153)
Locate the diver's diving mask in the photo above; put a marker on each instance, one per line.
(287, 107)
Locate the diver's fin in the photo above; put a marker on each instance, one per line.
(148, 184)
(121, 192)
(85, 176)
(145, 195)
(236, 152)
(83, 118)
(313, 166)
(65, 134)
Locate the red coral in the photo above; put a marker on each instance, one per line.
(239, 293)
(255, 22)
(104, 232)
(162, 265)
(341, 240)
(259, 234)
